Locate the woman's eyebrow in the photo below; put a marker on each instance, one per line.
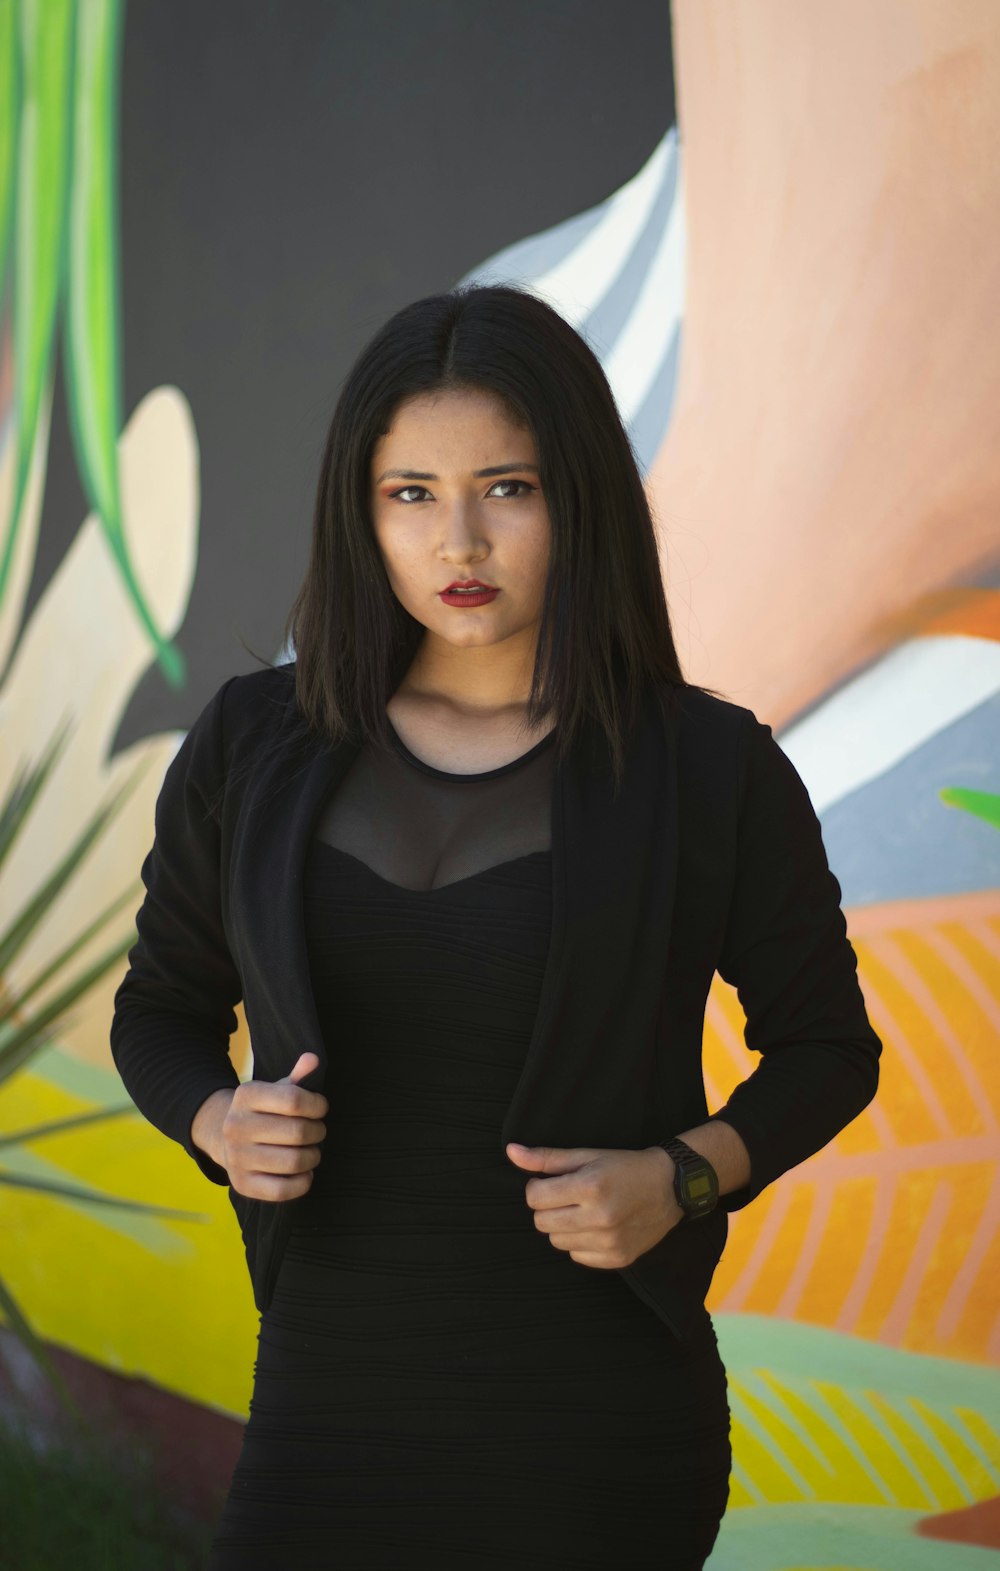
(478, 474)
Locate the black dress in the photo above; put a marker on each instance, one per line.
(437, 1387)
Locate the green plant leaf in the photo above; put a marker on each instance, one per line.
(18, 1323)
(94, 1197)
(38, 905)
(17, 1048)
(26, 787)
(20, 1042)
(58, 963)
(60, 1126)
(22, 1037)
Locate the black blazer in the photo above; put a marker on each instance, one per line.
(710, 859)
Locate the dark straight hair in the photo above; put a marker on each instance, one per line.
(604, 639)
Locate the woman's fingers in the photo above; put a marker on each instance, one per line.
(273, 1172)
(270, 1186)
(304, 1065)
(281, 1096)
(273, 1132)
(254, 1128)
(282, 1159)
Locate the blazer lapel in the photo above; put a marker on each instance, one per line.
(284, 802)
(588, 1072)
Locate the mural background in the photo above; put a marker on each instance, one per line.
(790, 274)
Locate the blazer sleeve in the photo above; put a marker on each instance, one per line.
(787, 953)
(174, 1009)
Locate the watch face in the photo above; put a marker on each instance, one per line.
(697, 1188)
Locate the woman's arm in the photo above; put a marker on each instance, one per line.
(722, 1146)
(174, 1009)
(786, 951)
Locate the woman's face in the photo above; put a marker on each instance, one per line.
(439, 516)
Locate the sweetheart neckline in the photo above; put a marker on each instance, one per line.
(437, 888)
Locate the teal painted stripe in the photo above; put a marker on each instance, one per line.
(850, 1442)
(864, 1401)
(810, 1537)
(150, 1233)
(739, 1475)
(91, 1082)
(934, 1445)
(784, 1413)
(968, 1438)
(794, 1350)
(745, 1415)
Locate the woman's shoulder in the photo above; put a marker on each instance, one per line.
(704, 715)
(255, 695)
(247, 721)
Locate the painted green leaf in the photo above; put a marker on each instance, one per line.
(982, 804)
(93, 326)
(40, 199)
(9, 114)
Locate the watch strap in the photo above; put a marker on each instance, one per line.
(691, 1165)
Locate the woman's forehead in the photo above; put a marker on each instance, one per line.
(439, 420)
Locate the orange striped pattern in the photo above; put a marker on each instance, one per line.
(892, 1232)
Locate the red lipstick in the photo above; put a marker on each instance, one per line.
(468, 591)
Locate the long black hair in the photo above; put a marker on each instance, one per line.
(604, 637)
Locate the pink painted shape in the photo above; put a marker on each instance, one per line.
(737, 1295)
(888, 1028)
(732, 1042)
(962, 1284)
(830, 1166)
(910, 978)
(894, 1325)
(986, 935)
(993, 1343)
(852, 1307)
(713, 1095)
(815, 1231)
(966, 973)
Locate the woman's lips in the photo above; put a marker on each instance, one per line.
(468, 597)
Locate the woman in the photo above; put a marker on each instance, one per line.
(471, 863)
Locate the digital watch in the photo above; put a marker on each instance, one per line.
(696, 1183)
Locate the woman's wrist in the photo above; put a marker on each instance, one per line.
(206, 1126)
(720, 1144)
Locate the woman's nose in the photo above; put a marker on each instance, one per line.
(462, 527)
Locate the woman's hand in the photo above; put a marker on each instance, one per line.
(605, 1207)
(266, 1134)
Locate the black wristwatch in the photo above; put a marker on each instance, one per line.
(696, 1183)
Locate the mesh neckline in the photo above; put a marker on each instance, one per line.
(483, 774)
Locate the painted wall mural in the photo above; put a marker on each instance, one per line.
(790, 277)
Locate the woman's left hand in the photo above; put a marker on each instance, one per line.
(604, 1207)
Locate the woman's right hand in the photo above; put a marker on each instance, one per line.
(267, 1134)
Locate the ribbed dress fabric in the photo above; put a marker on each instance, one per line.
(437, 1386)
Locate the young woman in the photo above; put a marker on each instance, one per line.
(471, 862)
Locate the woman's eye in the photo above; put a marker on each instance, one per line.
(522, 483)
(402, 493)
